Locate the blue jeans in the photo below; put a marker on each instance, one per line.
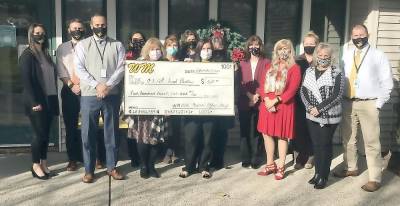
(90, 111)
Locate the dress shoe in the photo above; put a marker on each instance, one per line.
(320, 183)
(99, 164)
(345, 173)
(314, 179)
(72, 166)
(115, 175)
(144, 173)
(298, 166)
(135, 163)
(371, 186)
(44, 177)
(153, 173)
(246, 165)
(254, 166)
(88, 178)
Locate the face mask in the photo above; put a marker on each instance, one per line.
(38, 38)
(155, 55)
(77, 34)
(309, 49)
(172, 51)
(283, 54)
(360, 42)
(137, 44)
(324, 62)
(254, 51)
(206, 54)
(100, 31)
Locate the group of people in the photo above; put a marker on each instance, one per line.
(297, 99)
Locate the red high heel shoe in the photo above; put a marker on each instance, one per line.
(280, 173)
(268, 169)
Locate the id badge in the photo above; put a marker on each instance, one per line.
(356, 83)
(103, 73)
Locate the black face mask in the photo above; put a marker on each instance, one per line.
(100, 31)
(360, 42)
(77, 34)
(255, 51)
(38, 38)
(309, 49)
(137, 44)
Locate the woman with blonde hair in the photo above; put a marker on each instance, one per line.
(322, 92)
(148, 130)
(302, 144)
(278, 87)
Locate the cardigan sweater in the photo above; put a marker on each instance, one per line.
(325, 92)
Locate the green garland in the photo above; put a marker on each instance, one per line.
(233, 39)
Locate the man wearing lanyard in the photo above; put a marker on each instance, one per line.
(70, 93)
(100, 66)
(369, 84)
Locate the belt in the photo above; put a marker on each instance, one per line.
(359, 99)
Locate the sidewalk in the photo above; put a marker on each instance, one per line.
(230, 186)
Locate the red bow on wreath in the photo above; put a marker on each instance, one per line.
(237, 55)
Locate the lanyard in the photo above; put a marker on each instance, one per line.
(98, 50)
(73, 46)
(354, 58)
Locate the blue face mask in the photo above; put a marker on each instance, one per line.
(172, 51)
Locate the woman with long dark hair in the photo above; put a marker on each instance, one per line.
(40, 95)
(249, 99)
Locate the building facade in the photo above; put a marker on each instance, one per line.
(269, 19)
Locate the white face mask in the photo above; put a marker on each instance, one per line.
(206, 54)
(155, 55)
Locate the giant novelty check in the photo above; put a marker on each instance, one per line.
(179, 88)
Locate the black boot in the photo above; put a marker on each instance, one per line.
(320, 183)
(314, 179)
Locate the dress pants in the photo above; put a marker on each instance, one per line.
(70, 109)
(365, 114)
(90, 110)
(249, 136)
(199, 144)
(322, 144)
(41, 123)
(302, 143)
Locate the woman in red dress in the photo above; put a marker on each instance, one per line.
(279, 85)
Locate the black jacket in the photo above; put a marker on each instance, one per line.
(32, 79)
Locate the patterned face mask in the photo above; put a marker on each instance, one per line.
(283, 54)
(324, 62)
(155, 55)
(254, 51)
(137, 44)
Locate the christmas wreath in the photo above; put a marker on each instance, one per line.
(234, 41)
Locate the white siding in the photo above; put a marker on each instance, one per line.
(389, 42)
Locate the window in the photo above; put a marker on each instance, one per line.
(283, 21)
(138, 15)
(15, 19)
(327, 21)
(82, 10)
(186, 14)
(239, 15)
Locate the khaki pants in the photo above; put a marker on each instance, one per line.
(366, 114)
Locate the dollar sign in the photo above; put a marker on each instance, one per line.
(202, 81)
